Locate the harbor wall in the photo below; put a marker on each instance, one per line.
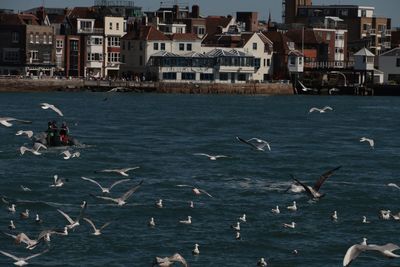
(76, 85)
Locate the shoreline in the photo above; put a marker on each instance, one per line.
(78, 85)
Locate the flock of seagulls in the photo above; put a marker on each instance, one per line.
(298, 186)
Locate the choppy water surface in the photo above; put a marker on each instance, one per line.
(160, 133)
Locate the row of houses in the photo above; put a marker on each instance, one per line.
(175, 43)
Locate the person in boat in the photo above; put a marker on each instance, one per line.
(56, 135)
(64, 133)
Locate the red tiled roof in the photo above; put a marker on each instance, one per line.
(18, 19)
(184, 37)
(213, 22)
(146, 33)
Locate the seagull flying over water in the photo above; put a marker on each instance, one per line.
(73, 223)
(122, 199)
(22, 261)
(58, 181)
(68, 155)
(354, 251)
(256, 143)
(195, 190)
(105, 190)
(34, 150)
(6, 121)
(27, 133)
(50, 106)
(369, 140)
(394, 185)
(123, 172)
(96, 231)
(169, 261)
(320, 110)
(25, 189)
(211, 157)
(313, 192)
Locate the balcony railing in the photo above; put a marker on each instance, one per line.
(91, 30)
(329, 65)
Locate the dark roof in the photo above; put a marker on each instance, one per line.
(18, 19)
(184, 37)
(309, 36)
(392, 53)
(146, 33)
(279, 41)
(213, 22)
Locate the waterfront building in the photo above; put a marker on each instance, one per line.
(114, 29)
(389, 64)
(27, 46)
(364, 29)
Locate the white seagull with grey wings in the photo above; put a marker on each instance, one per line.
(52, 107)
(105, 190)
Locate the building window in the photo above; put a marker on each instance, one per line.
(223, 76)
(10, 54)
(95, 57)
(59, 43)
(50, 39)
(242, 77)
(44, 38)
(129, 45)
(199, 30)
(328, 36)
(124, 27)
(37, 38)
(123, 58)
(188, 76)
(179, 30)
(181, 47)
(292, 60)
(254, 46)
(398, 62)
(117, 26)
(300, 61)
(206, 76)
(189, 47)
(113, 57)
(123, 45)
(86, 25)
(268, 62)
(96, 40)
(33, 55)
(140, 46)
(257, 63)
(169, 76)
(155, 46)
(31, 38)
(110, 25)
(15, 37)
(74, 45)
(162, 47)
(140, 60)
(113, 41)
(59, 61)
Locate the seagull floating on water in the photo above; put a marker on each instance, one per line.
(364, 220)
(236, 227)
(27, 133)
(188, 221)
(151, 223)
(262, 263)
(97, 231)
(384, 214)
(122, 172)
(122, 199)
(256, 143)
(313, 192)
(37, 219)
(24, 214)
(334, 216)
(52, 107)
(320, 110)
(191, 204)
(159, 204)
(105, 190)
(211, 157)
(6, 121)
(22, 261)
(196, 250)
(25, 189)
(290, 225)
(364, 242)
(11, 208)
(58, 181)
(354, 251)
(238, 237)
(243, 218)
(169, 261)
(11, 226)
(369, 140)
(292, 207)
(276, 210)
(195, 190)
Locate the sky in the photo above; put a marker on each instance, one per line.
(385, 8)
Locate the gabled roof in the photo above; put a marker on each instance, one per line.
(184, 37)
(364, 52)
(164, 54)
(279, 41)
(146, 33)
(395, 52)
(18, 19)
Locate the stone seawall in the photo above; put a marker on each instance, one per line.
(76, 85)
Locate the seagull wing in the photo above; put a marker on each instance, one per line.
(107, 170)
(128, 194)
(178, 258)
(389, 247)
(129, 169)
(323, 177)
(56, 110)
(202, 154)
(13, 236)
(352, 253)
(205, 192)
(93, 181)
(327, 108)
(66, 216)
(118, 182)
(106, 198)
(185, 185)
(314, 109)
(82, 212)
(9, 255)
(35, 255)
(6, 123)
(37, 146)
(304, 186)
(105, 225)
(91, 223)
(66, 153)
(21, 121)
(246, 142)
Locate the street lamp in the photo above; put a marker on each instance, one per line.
(341, 73)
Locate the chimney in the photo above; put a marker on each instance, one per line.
(195, 11)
